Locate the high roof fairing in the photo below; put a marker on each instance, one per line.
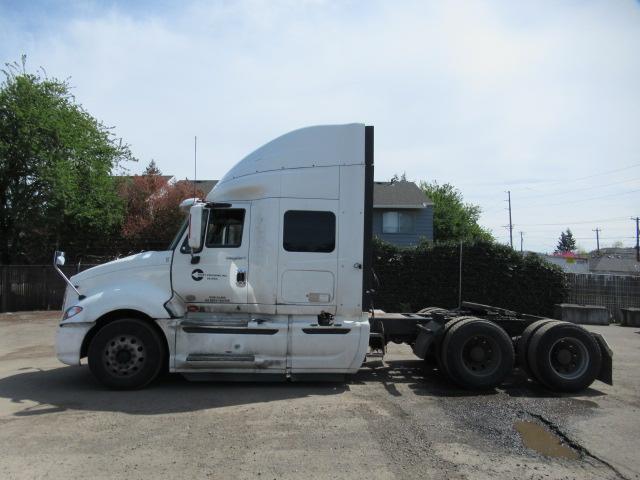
(318, 146)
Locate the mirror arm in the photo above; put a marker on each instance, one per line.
(55, 265)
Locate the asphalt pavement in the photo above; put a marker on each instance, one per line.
(394, 419)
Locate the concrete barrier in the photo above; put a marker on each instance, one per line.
(630, 317)
(583, 314)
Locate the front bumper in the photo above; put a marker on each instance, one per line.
(69, 338)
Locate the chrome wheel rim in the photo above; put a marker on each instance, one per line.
(481, 355)
(569, 358)
(124, 355)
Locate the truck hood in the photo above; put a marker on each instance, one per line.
(141, 282)
(144, 260)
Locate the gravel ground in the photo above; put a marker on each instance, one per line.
(392, 420)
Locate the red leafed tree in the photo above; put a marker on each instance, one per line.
(152, 212)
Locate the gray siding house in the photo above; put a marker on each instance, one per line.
(402, 214)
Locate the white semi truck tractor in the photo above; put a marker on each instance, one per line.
(271, 277)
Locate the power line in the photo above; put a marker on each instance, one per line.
(581, 199)
(579, 189)
(603, 173)
(554, 182)
(611, 219)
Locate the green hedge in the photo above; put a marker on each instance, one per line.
(492, 274)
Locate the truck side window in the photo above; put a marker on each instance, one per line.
(225, 228)
(309, 231)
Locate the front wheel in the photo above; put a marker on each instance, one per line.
(126, 354)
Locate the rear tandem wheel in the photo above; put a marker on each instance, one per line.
(564, 357)
(476, 353)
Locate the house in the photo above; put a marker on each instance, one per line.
(569, 263)
(614, 261)
(402, 214)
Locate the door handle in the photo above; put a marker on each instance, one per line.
(260, 321)
(241, 277)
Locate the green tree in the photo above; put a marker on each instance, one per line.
(566, 243)
(56, 162)
(453, 219)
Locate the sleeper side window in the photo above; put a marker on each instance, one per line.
(225, 228)
(309, 231)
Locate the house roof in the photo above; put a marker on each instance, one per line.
(205, 186)
(399, 194)
(623, 252)
(166, 178)
(615, 260)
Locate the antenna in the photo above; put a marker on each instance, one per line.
(195, 164)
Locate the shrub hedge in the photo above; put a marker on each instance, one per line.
(492, 274)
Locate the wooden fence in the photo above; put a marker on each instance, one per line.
(39, 287)
(32, 287)
(611, 291)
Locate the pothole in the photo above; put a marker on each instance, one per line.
(538, 438)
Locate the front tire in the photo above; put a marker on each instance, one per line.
(126, 354)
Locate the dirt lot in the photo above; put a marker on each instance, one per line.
(390, 421)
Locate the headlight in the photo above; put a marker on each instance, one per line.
(71, 312)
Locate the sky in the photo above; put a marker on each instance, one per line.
(538, 98)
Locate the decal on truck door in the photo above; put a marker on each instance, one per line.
(197, 274)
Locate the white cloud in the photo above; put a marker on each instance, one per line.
(485, 95)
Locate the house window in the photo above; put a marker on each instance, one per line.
(398, 222)
(309, 231)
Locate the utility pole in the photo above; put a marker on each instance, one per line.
(597, 230)
(637, 219)
(510, 223)
(521, 241)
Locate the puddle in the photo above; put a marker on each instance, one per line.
(538, 438)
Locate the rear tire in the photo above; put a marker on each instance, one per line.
(126, 354)
(525, 340)
(477, 354)
(440, 358)
(564, 357)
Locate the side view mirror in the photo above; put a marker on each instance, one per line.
(58, 261)
(59, 258)
(187, 203)
(195, 227)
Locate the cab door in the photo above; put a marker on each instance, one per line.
(217, 273)
(218, 333)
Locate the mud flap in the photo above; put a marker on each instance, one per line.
(427, 335)
(606, 370)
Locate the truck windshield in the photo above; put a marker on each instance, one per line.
(176, 239)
